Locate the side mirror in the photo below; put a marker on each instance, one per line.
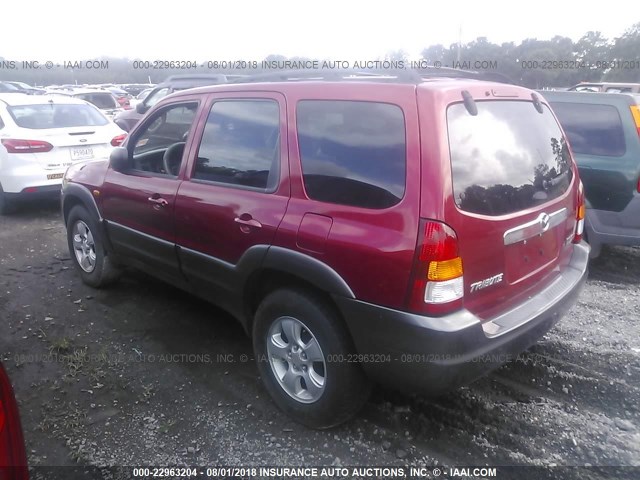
(141, 108)
(119, 159)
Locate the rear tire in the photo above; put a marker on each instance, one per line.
(310, 376)
(86, 247)
(7, 206)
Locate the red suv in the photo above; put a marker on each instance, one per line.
(13, 458)
(413, 231)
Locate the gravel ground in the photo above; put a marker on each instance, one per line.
(144, 374)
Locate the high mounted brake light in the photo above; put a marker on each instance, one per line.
(437, 277)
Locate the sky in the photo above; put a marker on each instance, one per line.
(349, 30)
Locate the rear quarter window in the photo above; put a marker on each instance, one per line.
(592, 129)
(506, 158)
(352, 153)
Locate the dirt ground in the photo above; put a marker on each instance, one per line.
(144, 374)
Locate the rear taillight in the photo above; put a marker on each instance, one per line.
(13, 460)
(117, 141)
(14, 145)
(437, 284)
(580, 214)
(635, 111)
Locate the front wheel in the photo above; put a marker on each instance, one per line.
(86, 247)
(303, 352)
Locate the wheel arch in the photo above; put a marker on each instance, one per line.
(75, 194)
(282, 268)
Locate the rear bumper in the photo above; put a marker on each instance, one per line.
(16, 176)
(433, 355)
(40, 192)
(614, 228)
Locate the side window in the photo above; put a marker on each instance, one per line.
(155, 97)
(592, 129)
(159, 144)
(241, 144)
(179, 116)
(352, 153)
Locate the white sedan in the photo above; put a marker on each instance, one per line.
(40, 136)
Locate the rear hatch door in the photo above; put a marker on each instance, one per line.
(512, 201)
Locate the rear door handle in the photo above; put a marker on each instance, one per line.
(159, 201)
(245, 220)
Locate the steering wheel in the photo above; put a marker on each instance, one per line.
(172, 158)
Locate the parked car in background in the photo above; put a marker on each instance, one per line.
(26, 88)
(102, 99)
(604, 134)
(607, 87)
(6, 87)
(432, 229)
(13, 457)
(134, 89)
(40, 136)
(126, 120)
(121, 96)
(141, 96)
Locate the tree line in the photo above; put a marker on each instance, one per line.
(557, 62)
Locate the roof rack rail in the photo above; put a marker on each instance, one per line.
(195, 76)
(400, 75)
(447, 72)
(388, 75)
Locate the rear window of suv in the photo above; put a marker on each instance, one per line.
(592, 129)
(100, 100)
(506, 158)
(352, 153)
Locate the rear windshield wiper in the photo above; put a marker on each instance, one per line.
(547, 184)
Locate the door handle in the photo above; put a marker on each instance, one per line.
(246, 221)
(159, 201)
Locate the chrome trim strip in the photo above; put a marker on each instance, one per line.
(535, 227)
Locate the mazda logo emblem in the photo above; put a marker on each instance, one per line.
(544, 220)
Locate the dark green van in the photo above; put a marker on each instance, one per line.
(604, 133)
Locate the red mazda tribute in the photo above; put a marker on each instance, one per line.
(412, 231)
